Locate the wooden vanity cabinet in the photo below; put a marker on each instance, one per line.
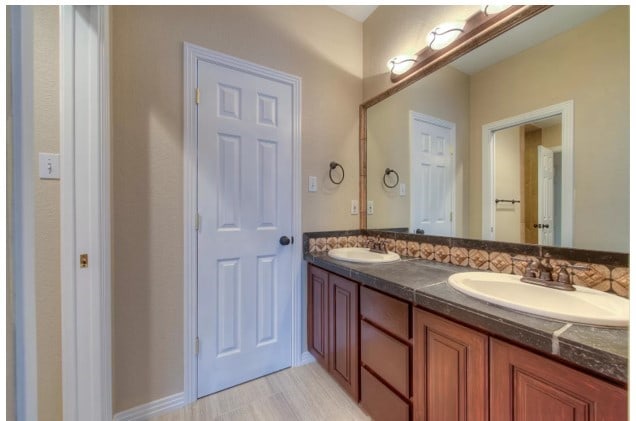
(317, 315)
(526, 386)
(412, 364)
(450, 370)
(385, 356)
(332, 326)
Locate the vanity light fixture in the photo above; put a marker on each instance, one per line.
(444, 34)
(493, 9)
(400, 64)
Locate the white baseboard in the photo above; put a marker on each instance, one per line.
(152, 409)
(306, 358)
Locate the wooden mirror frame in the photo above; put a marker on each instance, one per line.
(479, 29)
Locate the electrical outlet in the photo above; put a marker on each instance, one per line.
(313, 183)
(370, 207)
(354, 207)
(402, 189)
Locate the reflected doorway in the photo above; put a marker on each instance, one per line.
(528, 177)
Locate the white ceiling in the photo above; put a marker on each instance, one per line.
(357, 12)
(540, 28)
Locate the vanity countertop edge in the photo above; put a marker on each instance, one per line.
(600, 350)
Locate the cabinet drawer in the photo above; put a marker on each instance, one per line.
(386, 356)
(390, 313)
(379, 401)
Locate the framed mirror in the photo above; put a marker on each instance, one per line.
(438, 129)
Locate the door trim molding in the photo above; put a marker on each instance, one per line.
(191, 55)
(566, 110)
(413, 115)
(23, 241)
(85, 225)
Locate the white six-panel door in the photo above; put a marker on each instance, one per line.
(546, 195)
(432, 177)
(244, 131)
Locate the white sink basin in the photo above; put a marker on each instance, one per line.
(362, 255)
(585, 305)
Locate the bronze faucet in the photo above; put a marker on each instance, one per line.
(377, 246)
(539, 272)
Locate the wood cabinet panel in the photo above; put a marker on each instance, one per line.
(386, 356)
(389, 313)
(450, 366)
(343, 333)
(379, 401)
(317, 314)
(526, 386)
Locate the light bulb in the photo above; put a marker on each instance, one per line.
(400, 64)
(444, 34)
(493, 9)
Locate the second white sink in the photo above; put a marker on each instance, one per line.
(585, 305)
(362, 255)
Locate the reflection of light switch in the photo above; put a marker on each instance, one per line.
(370, 207)
(49, 166)
(313, 183)
(402, 189)
(354, 207)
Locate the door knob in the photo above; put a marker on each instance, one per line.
(284, 240)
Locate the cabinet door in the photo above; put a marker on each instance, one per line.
(526, 387)
(317, 314)
(450, 370)
(343, 333)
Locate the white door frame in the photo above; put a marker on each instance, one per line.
(192, 54)
(453, 134)
(566, 110)
(85, 213)
(23, 241)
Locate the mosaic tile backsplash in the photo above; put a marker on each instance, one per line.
(606, 272)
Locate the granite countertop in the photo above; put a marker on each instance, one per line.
(601, 350)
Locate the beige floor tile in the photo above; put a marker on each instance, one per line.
(305, 393)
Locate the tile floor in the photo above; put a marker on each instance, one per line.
(299, 393)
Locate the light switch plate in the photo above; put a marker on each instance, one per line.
(354, 207)
(313, 183)
(402, 189)
(370, 207)
(49, 166)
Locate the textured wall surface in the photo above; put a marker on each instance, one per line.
(318, 44)
(46, 117)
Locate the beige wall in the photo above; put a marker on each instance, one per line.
(590, 65)
(47, 213)
(318, 44)
(551, 136)
(443, 95)
(508, 184)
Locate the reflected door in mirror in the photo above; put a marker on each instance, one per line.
(432, 175)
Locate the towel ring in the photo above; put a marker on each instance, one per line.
(388, 172)
(332, 166)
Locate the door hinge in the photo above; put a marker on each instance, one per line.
(197, 221)
(197, 93)
(83, 260)
(451, 217)
(196, 346)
